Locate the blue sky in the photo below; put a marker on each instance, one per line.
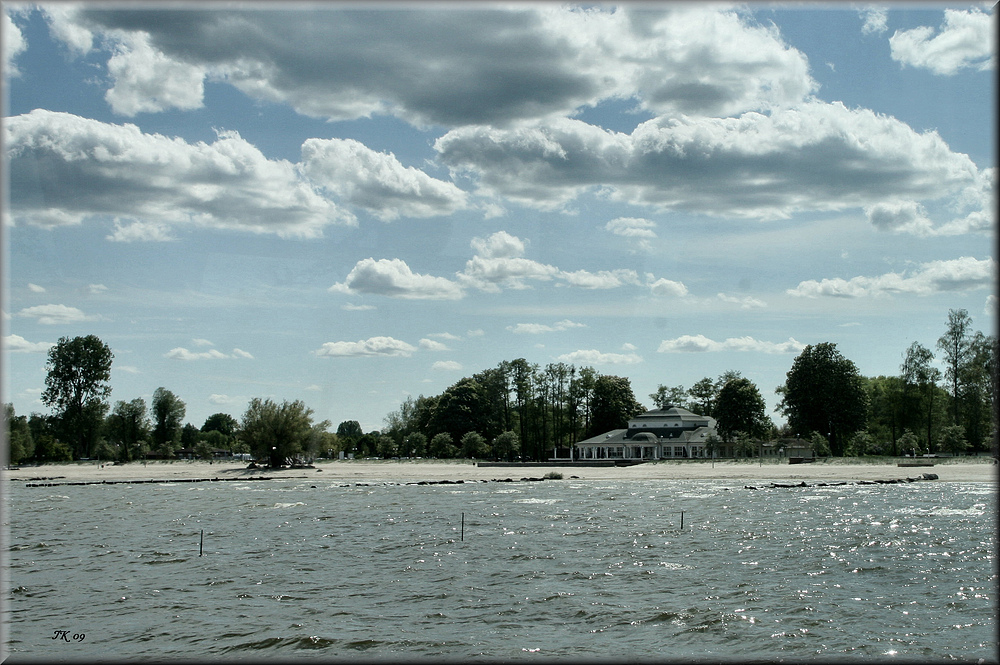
(350, 205)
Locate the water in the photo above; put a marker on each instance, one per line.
(571, 569)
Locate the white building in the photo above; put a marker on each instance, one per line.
(669, 433)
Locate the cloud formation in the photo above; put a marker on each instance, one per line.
(50, 315)
(17, 344)
(595, 357)
(539, 328)
(373, 346)
(393, 278)
(702, 344)
(457, 67)
(962, 274)
(966, 39)
(181, 353)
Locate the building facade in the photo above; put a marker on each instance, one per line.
(669, 433)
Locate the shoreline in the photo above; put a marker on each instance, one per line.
(407, 471)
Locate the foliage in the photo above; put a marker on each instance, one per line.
(824, 392)
(20, 442)
(76, 386)
(506, 446)
(474, 446)
(415, 444)
(221, 422)
(665, 397)
(190, 435)
(952, 440)
(128, 428)
(441, 446)
(168, 413)
(279, 433)
(613, 404)
(909, 444)
(820, 445)
(740, 408)
(713, 445)
(862, 443)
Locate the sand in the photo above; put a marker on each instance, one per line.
(978, 470)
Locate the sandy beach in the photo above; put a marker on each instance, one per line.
(849, 470)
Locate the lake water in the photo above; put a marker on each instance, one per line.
(560, 569)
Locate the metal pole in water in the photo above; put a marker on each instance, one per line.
(201, 545)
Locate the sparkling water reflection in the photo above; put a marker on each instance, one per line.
(557, 570)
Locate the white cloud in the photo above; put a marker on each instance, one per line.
(478, 332)
(240, 353)
(962, 274)
(432, 345)
(966, 39)
(393, 278)
(812, 157)
(13, 45)
(150, 183)
(223, 400)
(377, 181)
(198, 341)
(906, 216)
(539, 328)
(374, 346)
(632, 227)
(357, 308)
(17, 344)
(140, 232)
(667, 288)
(443, 65)
(95, 289)
(55, 314)
(603, 279)
(445, 335)
(702, 344)
(147, 81)
(180, 353)
(875, 19)
(499, 245)
(595, 357)
(990, 308)
(34, 288)
(128, 369)
(446, 366)
(746, 302)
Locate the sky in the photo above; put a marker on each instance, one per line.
(353, 204)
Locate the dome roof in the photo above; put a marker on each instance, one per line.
(645, 436)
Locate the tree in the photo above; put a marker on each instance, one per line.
(415, 444)
(349, 433)
(703, 394)
(441, 446)
(506, 446)
(861, 444)
(21, 444)
(909, 444)
(820, 445)
(168, 414)
(276, 432)
(823, 392)
(474, 446)
(128, 428)
(665, 396)
(917, 371)
(740, 408)
(76, 386)
(613, 404)
(952, 440)
(190, 435)
(221, 422)
(956, 345)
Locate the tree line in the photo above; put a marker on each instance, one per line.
(523, 410)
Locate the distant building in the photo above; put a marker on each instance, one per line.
(669, 433)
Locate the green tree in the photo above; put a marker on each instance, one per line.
(415, 444)
(824, 392)
(952, 440)
(474, 446)
(740, 408)
(190, 435)
(221, 422)
(506, 446)
(703, 394)
(76, 386)
(713, 445)
(666, 396)
(349, 433)
(956, 345)
(820, 444)
(128, 428)
(21, 444)
(441, 446)
(918, 373)
(613, 404)
(862, 443)
(276, 432)
(909, 444)
(168, 414)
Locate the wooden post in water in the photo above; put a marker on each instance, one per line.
(682, 519)
(201, 545)
(463, 527)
